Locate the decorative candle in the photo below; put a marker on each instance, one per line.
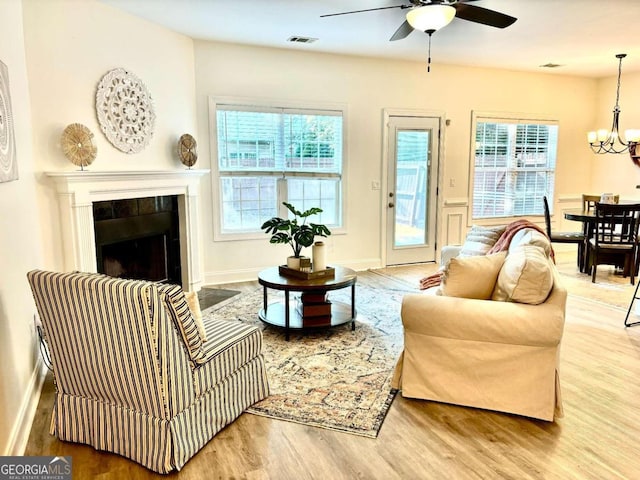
(319, 257)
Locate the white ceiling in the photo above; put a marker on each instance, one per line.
(581, 35)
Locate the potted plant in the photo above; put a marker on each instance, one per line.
(295, 232)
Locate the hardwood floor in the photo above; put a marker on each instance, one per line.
(596, 439)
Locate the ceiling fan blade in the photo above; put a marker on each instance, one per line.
(483, 15)
(402, 32)
(366, 10)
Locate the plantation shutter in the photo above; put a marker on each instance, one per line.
(514, 166)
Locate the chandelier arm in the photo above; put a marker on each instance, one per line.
(613, 138)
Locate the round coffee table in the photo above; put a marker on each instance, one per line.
(313, 309)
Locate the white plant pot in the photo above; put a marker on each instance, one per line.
(293, 263)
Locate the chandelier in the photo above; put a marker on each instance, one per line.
(609, 141)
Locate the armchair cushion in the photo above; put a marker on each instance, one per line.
(525, 277)
(472, 277)
(194, 306)
(178, 308)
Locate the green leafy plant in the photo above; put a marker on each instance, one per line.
(295, 232)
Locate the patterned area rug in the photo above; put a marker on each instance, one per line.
(331, 378)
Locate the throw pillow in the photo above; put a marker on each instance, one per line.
(472, 277)
(177, 307)
(480, 239)
(194, 306)
(525, 277)
(529, 236)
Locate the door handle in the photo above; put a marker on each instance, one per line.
(391, 205)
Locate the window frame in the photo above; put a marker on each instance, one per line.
(265, 105)
(503, 117)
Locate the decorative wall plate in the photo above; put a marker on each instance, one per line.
(8, 162)
(77, 145)
(187, 150)
(125, 110)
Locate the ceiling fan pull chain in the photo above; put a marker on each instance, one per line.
(429, 55)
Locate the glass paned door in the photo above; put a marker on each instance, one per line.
(411, 189)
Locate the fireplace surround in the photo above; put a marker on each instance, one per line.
(79, 190)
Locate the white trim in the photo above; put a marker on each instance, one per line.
(79, 189)
(262, 104)
(456, 202)
(384, 177)
(505, 117)
(22, 427)
(218, 277)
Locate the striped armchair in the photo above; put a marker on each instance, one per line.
(133, 375)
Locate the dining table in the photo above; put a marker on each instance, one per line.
(588, 220)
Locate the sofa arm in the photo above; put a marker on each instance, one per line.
(484, 320)
(448, 252)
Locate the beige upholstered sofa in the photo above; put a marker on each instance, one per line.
(490, 351)
(134, 374)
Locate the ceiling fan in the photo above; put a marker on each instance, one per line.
(431, 15)
(458, 8)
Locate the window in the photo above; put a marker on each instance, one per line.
(514, 165)
(269, 155)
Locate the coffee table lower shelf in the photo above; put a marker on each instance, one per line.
(275, 314)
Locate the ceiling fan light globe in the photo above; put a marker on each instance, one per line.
(431, 17)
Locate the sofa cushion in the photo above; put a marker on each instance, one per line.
(525, 276)
(480, 239)
(472, 277)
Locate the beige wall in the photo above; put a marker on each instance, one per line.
(616, 173)
(368, 86)
(20, 246)
(70, 45)
(56, 52)
(66, 47)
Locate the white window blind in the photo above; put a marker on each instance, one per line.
(513, 166)
(267, 155)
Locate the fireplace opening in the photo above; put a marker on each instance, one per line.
(138, 238)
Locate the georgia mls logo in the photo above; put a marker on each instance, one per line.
(59, 466)
(35, 468)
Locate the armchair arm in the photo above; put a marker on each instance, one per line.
(485, 320)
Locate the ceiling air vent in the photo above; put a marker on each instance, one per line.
(301, 39)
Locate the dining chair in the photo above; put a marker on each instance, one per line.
(615, 239)
(565, 237)
(589, 201)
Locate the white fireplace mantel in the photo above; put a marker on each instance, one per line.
(78, 190)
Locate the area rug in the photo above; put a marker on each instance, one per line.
(335, 378)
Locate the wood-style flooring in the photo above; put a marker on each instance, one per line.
(597, 438)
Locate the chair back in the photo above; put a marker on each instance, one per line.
(547, 216)
(589, 201)
(617, 225)
(102, 337)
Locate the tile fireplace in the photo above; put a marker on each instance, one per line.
(84, 197)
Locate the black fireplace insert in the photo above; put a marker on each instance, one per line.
(139, 238)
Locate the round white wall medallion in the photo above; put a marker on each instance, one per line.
(8, 165)
(125, 110)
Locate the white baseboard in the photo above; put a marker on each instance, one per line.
(22, 427)
(247, 275)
